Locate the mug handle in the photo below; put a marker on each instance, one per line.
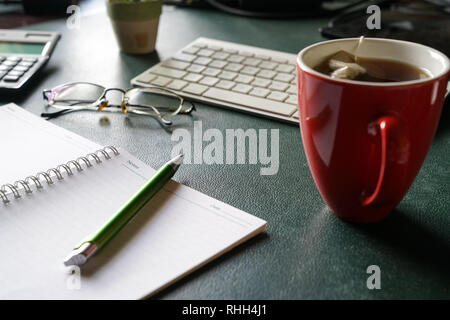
(395, 152)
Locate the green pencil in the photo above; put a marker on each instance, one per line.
(99, 239)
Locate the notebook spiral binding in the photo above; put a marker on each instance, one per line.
(14, 188)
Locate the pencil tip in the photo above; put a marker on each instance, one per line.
(176, 162)
(80, 255)
(74, 260)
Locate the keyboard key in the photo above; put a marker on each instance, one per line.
(295, 115)
(175, 64)
(213, 72)
(9, 78)
(193, 77)
(235, 58)
(266, 74)
(279, 86)
(262, 56)
(225, 84)
(287, 68)
(246, 54)
(250, 70)
(218, 64)
(292, 89)
(250, 101)
(200, 45)
(184, 57)
(252, 62)
(194, 88)
(177, 84)
(209, 81)
(285, 77)
(230, 50)
(277, 96)
(161, 81)
(191, 50)
(260, 92)
(214, 47)
(227, 75)
(279, 60)
(243, 88)
(242, 78)
(196, 68)
(235, 67)
(146, 77)
(2, 59)
(260, 82)
(205, 53)
(202, 60)
(268, 65)
(172, 73)
(2, 74)
(292, 99)
(220, 55)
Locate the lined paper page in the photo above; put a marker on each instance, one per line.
(178, 231)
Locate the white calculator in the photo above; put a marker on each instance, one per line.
(22, 54)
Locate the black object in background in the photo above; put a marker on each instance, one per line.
(47, 7)
(278, 9)
(422, 21)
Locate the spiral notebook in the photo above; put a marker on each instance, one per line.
(45, 212)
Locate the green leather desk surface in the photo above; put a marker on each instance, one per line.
(307, 253)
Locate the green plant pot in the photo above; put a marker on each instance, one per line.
(135, 24)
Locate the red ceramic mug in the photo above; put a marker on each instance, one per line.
(365, 141)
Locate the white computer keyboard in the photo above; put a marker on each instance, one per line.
(225, 74)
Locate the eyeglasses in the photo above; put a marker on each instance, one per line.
(153, 101)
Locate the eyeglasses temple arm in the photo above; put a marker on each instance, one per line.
(53, 115)
(190, 109)
(44, 94)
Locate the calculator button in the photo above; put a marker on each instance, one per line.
(19, 68)
(25, 64)
(9, 63)
(4, 68)
(16, 59)
(29, 59)
(9, 78)
(15, 73)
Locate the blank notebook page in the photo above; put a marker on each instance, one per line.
(177, 232)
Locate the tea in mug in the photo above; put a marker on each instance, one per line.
(344, 65)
